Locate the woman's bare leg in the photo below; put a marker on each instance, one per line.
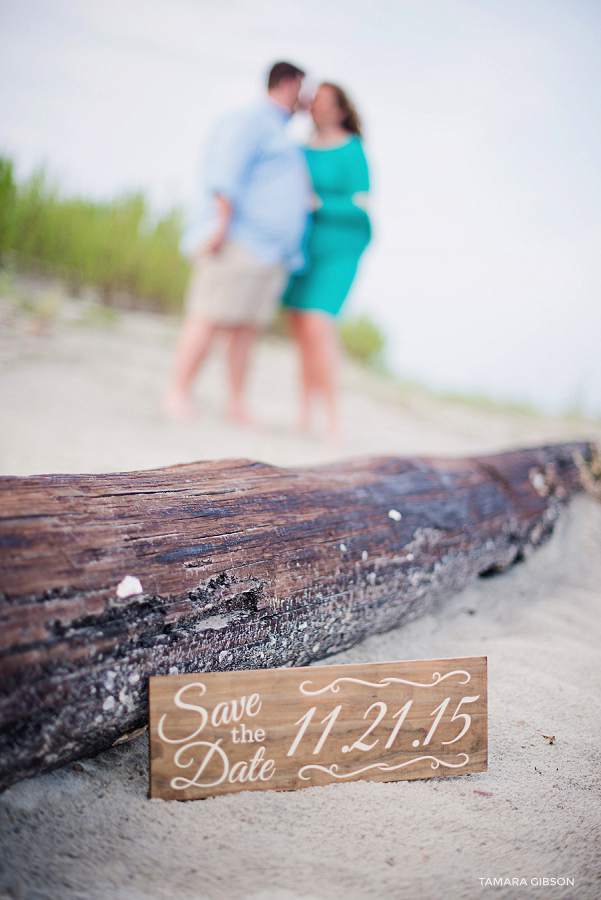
(326, 355)
(192, 346)
(319, 343)
(241, 341)
(306, 388)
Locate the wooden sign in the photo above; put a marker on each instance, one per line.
(283, 729)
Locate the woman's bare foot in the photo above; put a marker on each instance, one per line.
(302, 427)
(178, 406)
(238, 414)
(333, 436)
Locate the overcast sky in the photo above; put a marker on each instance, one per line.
(483, 130)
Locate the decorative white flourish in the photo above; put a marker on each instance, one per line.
(334, 686)
(333, 769)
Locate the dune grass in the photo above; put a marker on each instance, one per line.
(362, 340)
(117, 246)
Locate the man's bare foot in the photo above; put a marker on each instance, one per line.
(178, 407)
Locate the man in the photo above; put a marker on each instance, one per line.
(244, 239)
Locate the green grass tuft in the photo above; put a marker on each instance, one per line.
(116, 246)
(362, 340)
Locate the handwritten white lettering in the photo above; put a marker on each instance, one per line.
(182, 705)
(181, 783)
(255, 769)
(234, 710)
(360, 745)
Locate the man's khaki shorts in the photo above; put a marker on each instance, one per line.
(231, 287)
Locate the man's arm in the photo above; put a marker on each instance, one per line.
(229, 159)
(223, 216)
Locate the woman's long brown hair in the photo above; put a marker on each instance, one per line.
(351, 121)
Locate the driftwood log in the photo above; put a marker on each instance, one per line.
(242, 565)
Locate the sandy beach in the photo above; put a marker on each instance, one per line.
(79, 392)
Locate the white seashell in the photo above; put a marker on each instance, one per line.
(129, 587)
(539, 484)
(394, 514)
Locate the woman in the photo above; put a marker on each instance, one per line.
(339, 233)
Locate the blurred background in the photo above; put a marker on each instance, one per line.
(483, 130)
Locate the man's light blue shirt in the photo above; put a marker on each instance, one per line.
(256, 167)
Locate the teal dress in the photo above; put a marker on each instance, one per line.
(339, 230)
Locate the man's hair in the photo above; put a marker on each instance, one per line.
(282, 70)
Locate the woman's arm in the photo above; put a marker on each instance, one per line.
(359, 178)
(350, 203)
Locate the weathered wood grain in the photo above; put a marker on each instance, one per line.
(284, 729)
(242, 565)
